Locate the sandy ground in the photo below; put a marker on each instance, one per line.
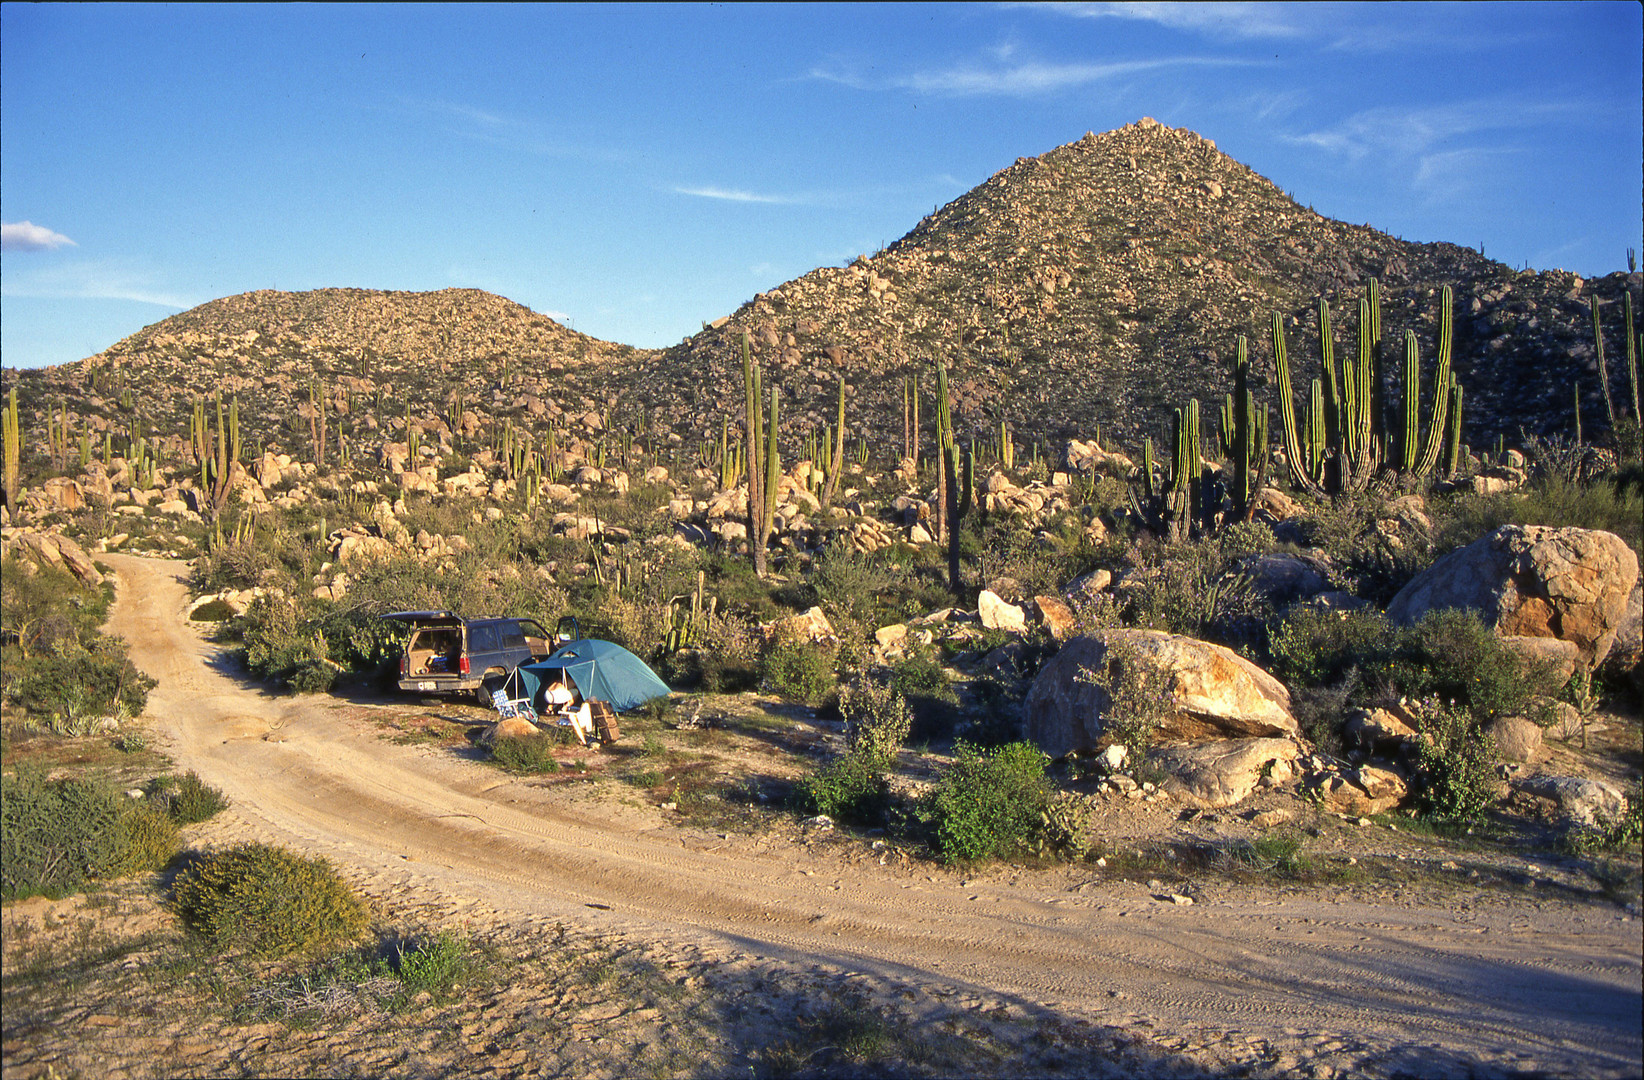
(1323, 982)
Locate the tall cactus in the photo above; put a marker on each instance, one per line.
(1632, 355)
(1603, 367)
(1244, 436)
(759, 510)
(1443, 380)
(836, 459)
(1452, 438)
(12, 484)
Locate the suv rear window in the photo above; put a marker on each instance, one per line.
(482, 639)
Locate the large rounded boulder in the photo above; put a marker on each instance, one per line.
(1533, 581)
(1217, 693)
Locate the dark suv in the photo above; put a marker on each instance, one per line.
(449, 654)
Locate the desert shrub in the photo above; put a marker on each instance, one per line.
(639, 624)
(525, 753)
(148, 840)
(1194, 589)
(1449, 654)
(1244, 539)
(1548, 499)
(1140, 696)
(1453, 656)
(1314, 648)
(988, 803)
(801, 670)
(854, 582)
(55, 834)
(728, 656)
(78, 686)
(924, 685)
(193, 800)
(851, 789)
(877, 720)
(1320, 712)
(1455, 763)
(433, 964)
(232, 566)
(268, 901)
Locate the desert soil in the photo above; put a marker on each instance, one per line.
(1249, 979)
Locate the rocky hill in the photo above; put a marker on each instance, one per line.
(1107, 281)
(370, 354)
(1102, 283)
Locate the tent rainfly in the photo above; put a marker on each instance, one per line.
(600, 670)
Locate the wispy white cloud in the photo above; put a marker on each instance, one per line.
(94, 281)
(1226, 20)
(27, 236)
(737, 195)
(1026, 78)
(1412, 132)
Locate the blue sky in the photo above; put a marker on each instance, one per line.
(635, 171)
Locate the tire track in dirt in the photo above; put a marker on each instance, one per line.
(1488, 985)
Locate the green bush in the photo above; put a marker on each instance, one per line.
(78, 686)
(148, 841)
(193, 800)
(432, 965)
(269, 902)
(1449, 654)
(1453, 656)
(1315, 648)
(877, 720)
(851, 789)
(923, 684)
(1455, 763)
(55, 834)
(988, 803)
(801, 670)
(526, 753)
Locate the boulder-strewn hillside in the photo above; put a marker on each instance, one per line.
(364, 347)
(1108, 280)
(1101, 283)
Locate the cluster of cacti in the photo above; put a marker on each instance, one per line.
(685, 627)
(1344, 443)
(764, 465)
(215, 452)
(1173, 504)
(12, 484)
(1633, 346)
(139, 456)
(57, 435)
(1244, 437)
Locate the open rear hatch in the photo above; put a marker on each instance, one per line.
(434, 654)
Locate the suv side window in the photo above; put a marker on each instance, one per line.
(482, 639)
(512, 636)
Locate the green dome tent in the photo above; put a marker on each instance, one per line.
(600, 670)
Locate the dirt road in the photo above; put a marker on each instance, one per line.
(1483, 985)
